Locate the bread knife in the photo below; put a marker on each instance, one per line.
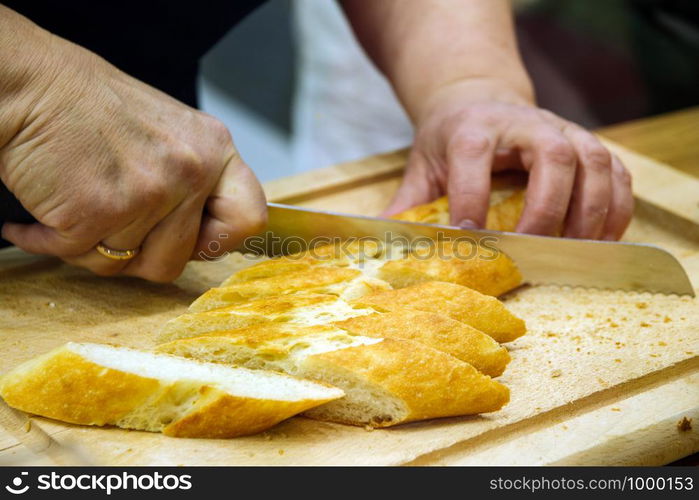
(541, 259)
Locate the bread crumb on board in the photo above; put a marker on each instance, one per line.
(684, 425)
(556, 373)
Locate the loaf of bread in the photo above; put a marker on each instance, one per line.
(341, 281)
(386, 381)
(503, 214)
(95, 384)
(482, 312)
(484, 269)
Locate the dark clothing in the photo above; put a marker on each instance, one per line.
(159, 42)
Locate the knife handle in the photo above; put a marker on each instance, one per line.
(11, 210)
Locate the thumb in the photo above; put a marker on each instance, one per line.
(41, 239)
(235, 209)
(414, 190)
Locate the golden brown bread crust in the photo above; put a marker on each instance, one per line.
(429, 383)
(434, 330)
(482, 312)
(313, 280)
(217, 415)
(335, 255)
(463, 263)
(266, 269)
(270, 340)
(66, 386)
(271, 309)
(434, 212)
(430, 329)
(432, 384)
(503, 215)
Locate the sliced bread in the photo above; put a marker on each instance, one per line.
(341, 281)
(96, 384)
(482, 312)
(386, 381)
(301, 308)
(476, 266)
(434, 330)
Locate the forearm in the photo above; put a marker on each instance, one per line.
(24, 49)
(425, 45)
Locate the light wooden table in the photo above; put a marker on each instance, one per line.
(671, 138)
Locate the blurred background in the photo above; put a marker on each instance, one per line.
(297, 92)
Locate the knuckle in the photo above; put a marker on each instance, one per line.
(598, 159)
(548, 212)
(560, 152)
(217, 129)
(189, 165)
(469, 144)
(250, 222)
(595, 211)
(61, 220)
(624, 176)
(151, 193)
(256, 221)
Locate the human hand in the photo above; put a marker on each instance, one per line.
(468, 130)
(98, 156)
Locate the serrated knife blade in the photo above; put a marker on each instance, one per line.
(541, 259)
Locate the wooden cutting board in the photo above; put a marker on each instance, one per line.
(601, 377)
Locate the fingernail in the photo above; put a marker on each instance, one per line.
(468, 224)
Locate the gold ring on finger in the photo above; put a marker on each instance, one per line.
(115, 254)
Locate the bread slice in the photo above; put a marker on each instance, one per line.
(483, 269)
(342, 254)
(95, 384)
(394, 381)
(482, 312)
(430, 329)
(344, 282)
(300, 308)
(269, 346)
(386, 381)
(434, 330)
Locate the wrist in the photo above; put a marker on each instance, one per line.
(476, 90)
